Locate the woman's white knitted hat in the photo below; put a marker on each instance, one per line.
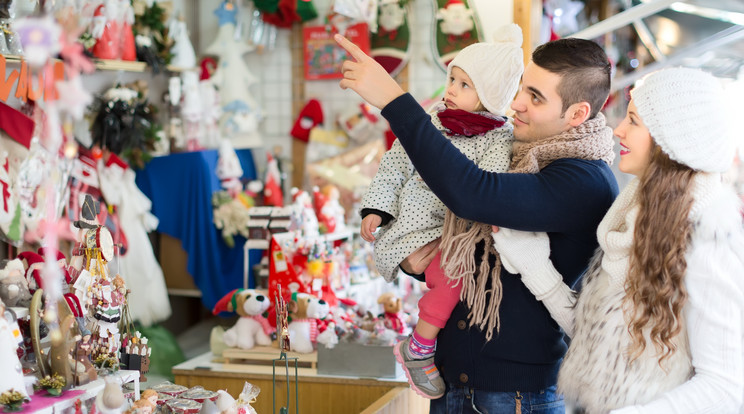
(494, 67)
(686, 112)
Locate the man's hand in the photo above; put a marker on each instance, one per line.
(370, 223)
(366, 77)
(418, 261)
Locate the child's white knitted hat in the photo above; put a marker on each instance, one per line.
(494, 67)
(686, 112)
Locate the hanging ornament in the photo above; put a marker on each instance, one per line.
(390, 45)
(455, 27)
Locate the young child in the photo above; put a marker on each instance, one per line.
(481, 82)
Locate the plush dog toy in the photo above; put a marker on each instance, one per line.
(252, 328)
(391, 305)
(306, 312)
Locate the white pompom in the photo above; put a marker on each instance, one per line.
(508, 33)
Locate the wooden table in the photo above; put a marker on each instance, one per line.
(317, 393)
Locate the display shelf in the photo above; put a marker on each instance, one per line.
(67, 400)
(101, 64)
(328, 394)
(127, 66)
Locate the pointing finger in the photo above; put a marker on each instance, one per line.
(350, 47)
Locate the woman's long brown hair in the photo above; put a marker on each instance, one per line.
(655, 290)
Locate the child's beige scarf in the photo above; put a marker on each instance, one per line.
(591, 140)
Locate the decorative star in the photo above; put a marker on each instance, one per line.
(73, 98)
(226, 13)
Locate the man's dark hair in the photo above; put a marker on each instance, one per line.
(584, 69)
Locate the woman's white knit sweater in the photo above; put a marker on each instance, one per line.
(706, 374)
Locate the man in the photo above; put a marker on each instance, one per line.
(563, 143)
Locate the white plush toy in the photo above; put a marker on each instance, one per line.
(252, 328)
(306, 311)
(13, 284)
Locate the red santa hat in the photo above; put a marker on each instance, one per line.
(33, 262)
(227, 303)
(60, 257)
(453, 3)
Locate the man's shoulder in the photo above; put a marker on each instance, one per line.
(595, 174)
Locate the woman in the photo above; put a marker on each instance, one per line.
(659, 324)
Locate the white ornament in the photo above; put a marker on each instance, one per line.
(183, 51)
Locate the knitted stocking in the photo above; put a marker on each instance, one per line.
(455, 27)
(389, 46)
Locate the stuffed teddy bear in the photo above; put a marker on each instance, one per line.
(391, 306)
(252, 328)
(307, 313)
(13, 284)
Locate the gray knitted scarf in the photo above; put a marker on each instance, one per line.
(592, 140)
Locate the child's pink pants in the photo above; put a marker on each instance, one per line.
(436, 305)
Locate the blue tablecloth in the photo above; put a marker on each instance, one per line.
(180, 187)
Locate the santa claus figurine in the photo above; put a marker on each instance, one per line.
(112, 28)
(456, 17)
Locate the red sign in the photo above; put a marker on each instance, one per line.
(323, 57)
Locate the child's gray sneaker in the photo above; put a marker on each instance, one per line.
(422, 374)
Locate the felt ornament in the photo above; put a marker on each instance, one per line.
(390, 44)
(310, 116)
(455, 27)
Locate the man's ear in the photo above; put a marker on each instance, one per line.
(578, 113)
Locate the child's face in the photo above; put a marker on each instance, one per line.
(460, 93)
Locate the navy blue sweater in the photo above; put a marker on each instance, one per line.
(567, 199)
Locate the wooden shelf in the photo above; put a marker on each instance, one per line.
(101, 64)
(128, 66)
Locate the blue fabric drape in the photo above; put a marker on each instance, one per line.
(180, 187)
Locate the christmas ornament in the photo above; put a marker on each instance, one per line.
(455, 27)
(390, 44)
